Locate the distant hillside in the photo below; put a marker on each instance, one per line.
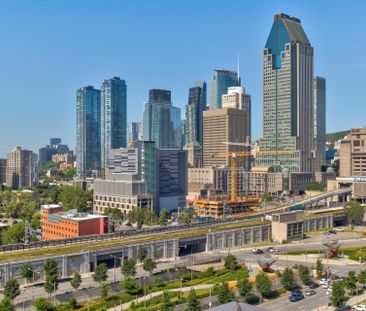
(332, 137)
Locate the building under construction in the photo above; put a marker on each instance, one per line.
(224, 207)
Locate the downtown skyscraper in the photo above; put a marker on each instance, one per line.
(288, 113)
(220, 83)
(113, 117)
(197, 103)
(158, 124)
(320, 115)
(88, 132)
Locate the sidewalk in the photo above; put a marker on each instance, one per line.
(353, 301)
(126, 305)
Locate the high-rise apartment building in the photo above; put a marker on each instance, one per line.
(237, 98)
(172, 179)
(320, 116)
(113, 116)
(175, 115)
(352, 154)
(21, 168)
(88, 143)
(2, 171)
(220, 83)
(288, 114)
(158, 125)
(134, 131)
(197, 101)
(224, 131)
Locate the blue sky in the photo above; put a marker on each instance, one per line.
(48, 49)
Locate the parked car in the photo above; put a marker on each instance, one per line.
(339, 229)
(312, 284)
(344, 308)
(323, 281)
(342, 278)
(274, 251)
(360, 307)
(296, 296)
(257, 251)
(310, 292)
(269, 249)
(334, 277)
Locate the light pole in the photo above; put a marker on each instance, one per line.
(181, 279)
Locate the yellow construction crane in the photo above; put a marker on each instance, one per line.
(234, 155)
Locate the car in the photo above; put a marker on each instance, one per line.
(325, 286)
(360, 307)
(312, 285)
(323, 281)
(310, 292)
(339, 229)
(257, 251)
(296, 297)
(269, 249)
(342, 278)
(275, 251)
(344, 308)
(334, 277)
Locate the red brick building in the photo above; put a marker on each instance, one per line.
(57, 224)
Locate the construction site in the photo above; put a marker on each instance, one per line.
(226, 205)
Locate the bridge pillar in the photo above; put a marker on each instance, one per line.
(64, 270)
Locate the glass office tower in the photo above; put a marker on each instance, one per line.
(197, 100)
(113, 116)
(288, 98)
(220, 83)
(87, 131)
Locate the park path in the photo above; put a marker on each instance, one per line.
(126, 305)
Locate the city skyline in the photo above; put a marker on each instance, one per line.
(139, 69)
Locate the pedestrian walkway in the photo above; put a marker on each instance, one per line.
(126, 305)
(352, 301)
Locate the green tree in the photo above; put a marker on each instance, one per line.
(287, 279)
(129, 267)
(355, 212)
(193, 303)
(337, 297)
(166, 304)
(74, 198)
(100, 275)
(50, 268)
(141, 253)
(142, 216)
(26, 271)
(263, 284)
(130, 285)
(266, 197)
(42, 304)
(22, 206)
(72, 304)
(104, 290)
(76, 281)
(163, 216)
(224, 294)
(14, 234)
(6, 305)
(231, 262)
(251, 298)
(11, 289)
(319, 268)
(304, 273)
(149, 265)
(244, 287)
(351, 281)
(361, 278)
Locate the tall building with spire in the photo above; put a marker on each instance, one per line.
(113, 117)
(288, 113)
(197, 100)
(220, 83)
